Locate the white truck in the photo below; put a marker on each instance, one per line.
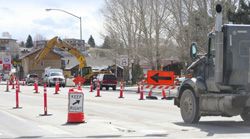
(51, 76)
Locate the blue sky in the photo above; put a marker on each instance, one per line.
(23, 17)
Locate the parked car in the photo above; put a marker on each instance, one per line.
(51, 78)
(31, 78)
(106, 80)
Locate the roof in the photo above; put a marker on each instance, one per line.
(34, 51)
(95, 63)
(6, 38)
(30, 53)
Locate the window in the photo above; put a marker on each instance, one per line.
(56, 74)
(244, 48)
(109, 77)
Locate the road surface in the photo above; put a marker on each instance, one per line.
(106, 117)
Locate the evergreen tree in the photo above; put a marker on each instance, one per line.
(137, 73)
(91, 41)
(241, 16)
(106, 43)
(29, 42)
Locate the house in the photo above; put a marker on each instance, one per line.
(52, 60)
(71, 64)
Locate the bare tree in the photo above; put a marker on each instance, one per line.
(193, 20)
(146, 28)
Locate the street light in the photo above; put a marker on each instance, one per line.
(80, 70)
(71, 15)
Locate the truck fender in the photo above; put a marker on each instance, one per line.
(197, 85)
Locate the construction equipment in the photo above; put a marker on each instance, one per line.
(84, 71)
(220, 85)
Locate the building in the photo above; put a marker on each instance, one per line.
(39, 44)
(71, 65)
(9, 49)
(9, 46)
(52, 60)
(76, 43)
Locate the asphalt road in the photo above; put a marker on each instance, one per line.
(106, 117)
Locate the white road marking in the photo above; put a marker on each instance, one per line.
(13, 116)
(53, 129)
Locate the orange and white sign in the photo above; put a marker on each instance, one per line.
(155, 77)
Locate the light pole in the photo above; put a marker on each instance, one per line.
(71, 15)
(80, 70)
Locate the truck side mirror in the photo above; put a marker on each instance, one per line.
(193, 51)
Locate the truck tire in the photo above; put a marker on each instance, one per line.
(245, 116)
(189, 107)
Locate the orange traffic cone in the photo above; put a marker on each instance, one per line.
(163, 94)
(121, 90)
(98, 90)
(141, 93)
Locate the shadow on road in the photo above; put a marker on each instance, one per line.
(73, 124)
(220, 127)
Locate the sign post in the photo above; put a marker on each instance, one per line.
(75, 106)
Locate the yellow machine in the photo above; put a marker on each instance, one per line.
(84, 71)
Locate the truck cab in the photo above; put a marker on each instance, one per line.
(220, 85)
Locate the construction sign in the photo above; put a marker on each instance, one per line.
(79, 79)
(76, 102)
(155, 77)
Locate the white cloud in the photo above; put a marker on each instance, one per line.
(21, 18)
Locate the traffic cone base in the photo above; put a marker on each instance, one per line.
(17, 107)
(76, 118)
(45, 114)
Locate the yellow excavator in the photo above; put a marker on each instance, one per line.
(84, 71)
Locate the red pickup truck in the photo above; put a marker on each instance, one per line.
(105, 80)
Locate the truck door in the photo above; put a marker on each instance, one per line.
(210, 65)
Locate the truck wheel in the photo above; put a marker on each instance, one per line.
(189, 107)
(245, 116)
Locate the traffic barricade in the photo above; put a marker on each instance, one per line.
(75, 106)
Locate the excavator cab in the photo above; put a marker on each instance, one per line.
(85, 71)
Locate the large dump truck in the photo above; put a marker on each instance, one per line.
(220, 83)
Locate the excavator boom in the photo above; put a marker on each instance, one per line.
(56, 42)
